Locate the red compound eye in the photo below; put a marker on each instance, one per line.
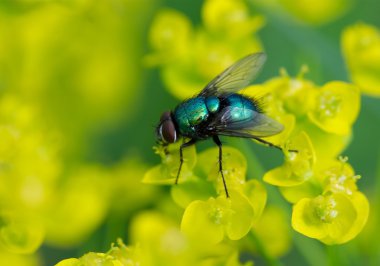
(168, 132)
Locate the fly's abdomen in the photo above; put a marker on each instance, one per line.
(190, 114)
(241, 107)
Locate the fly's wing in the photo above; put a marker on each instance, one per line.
(256, 126)
(236, 77)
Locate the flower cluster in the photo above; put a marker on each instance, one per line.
(42, 203)
(158, 241)
(35, 197)
(320, 184)
(318, 123)
(189, 56)
(55, 92)
(29, 167)
(209, 216)
(57, 95)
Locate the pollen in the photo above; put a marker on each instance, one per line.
(216, 215)
(325, 209)
(329, 105)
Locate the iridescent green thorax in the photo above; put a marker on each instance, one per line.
(189, 114)
(241, 107)
(213, 104)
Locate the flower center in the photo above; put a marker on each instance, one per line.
(329, 105)
(326, 209)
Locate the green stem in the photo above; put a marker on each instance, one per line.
(310, 249)
(334, 256)
(377, 184)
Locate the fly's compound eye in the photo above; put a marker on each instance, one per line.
(166, 131)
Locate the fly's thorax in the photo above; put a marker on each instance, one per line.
(242, 108)
(212, 103)
(189, 114)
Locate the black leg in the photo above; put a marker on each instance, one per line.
(272, 145)
(219, 143)
(184, 145)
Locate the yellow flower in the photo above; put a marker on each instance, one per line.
(336, 107)
(361, 50)
(229, 18)
(234, 167)
(325, 113)
(166, 172)
(208, 222)
(338, 176)
(170, 36)
(332, 218)
(298, 166)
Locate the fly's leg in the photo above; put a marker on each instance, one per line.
(219, 143)
(272, 145)
(184, 145)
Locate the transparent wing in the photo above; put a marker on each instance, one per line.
(236, 77)
(258, 125)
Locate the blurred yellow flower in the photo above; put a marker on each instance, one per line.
(81, 72)
(29, 167)
(20, 233)
(190, 57)
(77, 207)
(313, 12)
(118, 255)
(361, 50)
(162, 243)
(273, 231)
(230, 18)
(7, 258)
(160, 239)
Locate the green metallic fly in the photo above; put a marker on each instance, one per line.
(219, 110)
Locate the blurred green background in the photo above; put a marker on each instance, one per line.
(81, 67)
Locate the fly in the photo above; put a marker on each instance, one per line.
(219, 111)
